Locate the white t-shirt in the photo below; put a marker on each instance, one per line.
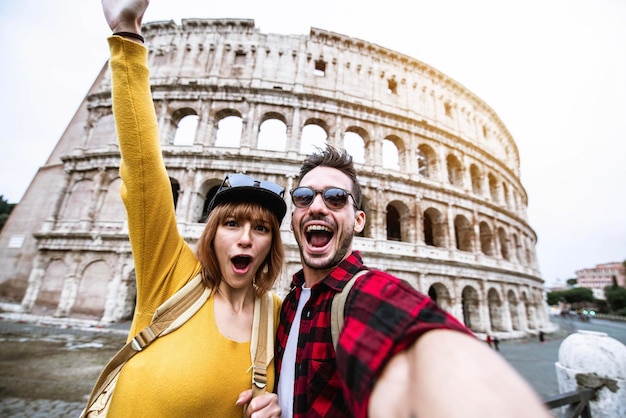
(288, 368)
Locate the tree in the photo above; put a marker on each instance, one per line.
(615, 297)
(572, 282)
(574, 295)
(5, 210)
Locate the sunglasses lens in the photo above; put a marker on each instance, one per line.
(302, 197)
(335, 198)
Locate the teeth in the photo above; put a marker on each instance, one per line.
(317, 228)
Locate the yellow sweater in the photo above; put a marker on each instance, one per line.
(194, 371)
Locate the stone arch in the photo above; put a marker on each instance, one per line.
(396, 216)
(103, 133)
(517, 248)
(426, 161)
(496, 315)
(93, 289)
(486, 239)
(78, 202)
(354, 142)
(208, 189)
(314, 134)
(455, 170)
(441, 295)
(186, 130)
(175, 185)
(51, 287)
(528, 311)
(477, 180)
(513, 310)
(272, 132)
(470, 301)
(229, 130)
(391, 153)
(506, 196)
(504, 244)
(112, 209)
(463, 233)
(175, 134)
(434, 228)
(494, 191)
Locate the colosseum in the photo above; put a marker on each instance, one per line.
(446, 210)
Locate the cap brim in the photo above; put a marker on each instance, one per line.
(263, 197)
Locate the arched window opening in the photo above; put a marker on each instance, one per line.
(229, 132)
(493, 188)
(428, 230)
(207, 200)
(471, 309)
(434, 228)
(393, 224)
(272, 135)
(432, 293)
(355, 145)
(514, 311)
(486, 239)
(476, 179)
(455, 171)
(175, 190)
(507, 197)
(463, 233)
(390, 155)
(186, 131)
(504, 244)
(313, 136)
(496, 316)
(426, 161)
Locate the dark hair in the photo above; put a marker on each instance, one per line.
(336, 158)
(269, 271)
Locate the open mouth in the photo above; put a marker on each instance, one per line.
(318, 235)
(241, 262)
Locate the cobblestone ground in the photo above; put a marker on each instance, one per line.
(47, 369)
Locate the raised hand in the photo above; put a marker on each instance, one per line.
(124, 15)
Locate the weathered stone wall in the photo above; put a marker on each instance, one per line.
(440, 172)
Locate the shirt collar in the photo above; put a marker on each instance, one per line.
(342, 273)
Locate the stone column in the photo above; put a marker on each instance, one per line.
(594, 360)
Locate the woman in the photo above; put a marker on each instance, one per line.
(201, 368)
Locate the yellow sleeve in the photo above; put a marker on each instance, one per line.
(163, 260)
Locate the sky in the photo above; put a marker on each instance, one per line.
(554, 71)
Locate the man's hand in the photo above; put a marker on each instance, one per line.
(124, 15)
(263, 406)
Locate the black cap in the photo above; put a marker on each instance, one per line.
(242, 188)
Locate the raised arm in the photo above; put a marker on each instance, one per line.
(448, 374)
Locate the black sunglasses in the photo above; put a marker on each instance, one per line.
(334, 198)
(242, 180)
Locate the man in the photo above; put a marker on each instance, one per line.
(398, 353)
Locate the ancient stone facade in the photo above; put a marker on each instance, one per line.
(441, 173)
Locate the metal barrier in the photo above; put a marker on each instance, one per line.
(577, 402)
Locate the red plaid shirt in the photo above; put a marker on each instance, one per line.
(383, 316)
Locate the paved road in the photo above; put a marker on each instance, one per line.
(533, 360)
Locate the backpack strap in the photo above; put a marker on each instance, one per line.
(168, 317)
(338, 306)
(262, 342)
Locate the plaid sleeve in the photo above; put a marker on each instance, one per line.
(384, 315)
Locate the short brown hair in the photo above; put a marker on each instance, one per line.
(268, 273)
(338, 159)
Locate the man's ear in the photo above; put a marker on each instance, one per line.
(359, 221)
